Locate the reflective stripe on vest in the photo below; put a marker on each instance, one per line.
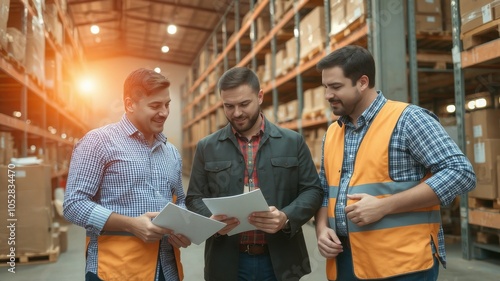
(397, 244)
(122, 256)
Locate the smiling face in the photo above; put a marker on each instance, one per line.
(149, 113)
(242, 109)
(344, 97)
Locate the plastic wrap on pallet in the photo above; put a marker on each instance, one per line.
(4, 16)
(16, 44)
(52, 23)
(35, 49)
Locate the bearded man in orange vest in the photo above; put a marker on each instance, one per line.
(387, 167)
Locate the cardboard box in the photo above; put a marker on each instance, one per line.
(312, 31)
(428, 23)
(498, 175)
(292, 109)
(319, 101)
(485, 167)
(469, 140)
(475, 13)
(486, 124)
(468, 6)
(428, 6)
(354, 10)
(32, 209)
(337, 17)
(291, 53)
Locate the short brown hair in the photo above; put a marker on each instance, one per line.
(143, 82)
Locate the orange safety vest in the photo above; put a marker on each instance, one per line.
(126, 257)
(398, 243)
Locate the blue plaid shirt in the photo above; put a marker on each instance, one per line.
(113, 169)
(419, 144)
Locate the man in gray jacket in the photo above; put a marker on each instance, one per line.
(250, 153)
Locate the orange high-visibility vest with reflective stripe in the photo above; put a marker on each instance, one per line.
(398, 243)
(126, 257)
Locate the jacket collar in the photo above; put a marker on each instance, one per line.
(270, 130)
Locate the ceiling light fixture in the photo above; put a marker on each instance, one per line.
(165, 49)
(481, 102)
(450, 108)
(94, 29)
(171, 29)
(157, 70)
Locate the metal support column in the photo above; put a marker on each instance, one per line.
(389, 48)
(253, 37)
(273, 62)
(224, 41)
(237, 29)
(24, 93)
(298, 77)
(459, 114)
(412, 52)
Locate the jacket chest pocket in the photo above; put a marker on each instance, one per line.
(218, 176)
(285, 170)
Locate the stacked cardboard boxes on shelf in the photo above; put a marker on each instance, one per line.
(484, 131)
(478, 17)
(32, 208)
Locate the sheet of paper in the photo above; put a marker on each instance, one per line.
(238, 206)
(192, 225)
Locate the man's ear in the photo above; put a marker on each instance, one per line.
(129, 104)
(363, 82)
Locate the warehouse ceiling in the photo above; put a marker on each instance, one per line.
(139, 27)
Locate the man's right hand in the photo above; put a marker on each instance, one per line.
(144, 229)
(329, 244)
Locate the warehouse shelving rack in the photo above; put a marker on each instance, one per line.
(302, 76)
(43, 118)
(481, 57)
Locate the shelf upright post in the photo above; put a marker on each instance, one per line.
(253, 32)
(459, 114)
(328, 27)
(389, 48)
(326, 8)
(237, 28)
(412, 52)
(300, 86)
(224, 41)
(273, 62)
(24, 90)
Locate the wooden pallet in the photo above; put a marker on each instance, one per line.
(313, 114)
(312, 53)
(481, 34)
(36, 80)
(32, 258)
(15, 63)
(341, 35)
(479, 203)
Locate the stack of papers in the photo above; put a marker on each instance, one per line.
(192, 225)
(238, 206)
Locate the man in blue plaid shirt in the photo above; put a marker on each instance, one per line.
(121, 175)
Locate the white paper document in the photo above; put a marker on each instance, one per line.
(192, 225)
(238, 206)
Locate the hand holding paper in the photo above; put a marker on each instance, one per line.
(192, 225)
(238, 206)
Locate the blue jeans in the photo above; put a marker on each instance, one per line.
(255, 268)
(345, 271)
